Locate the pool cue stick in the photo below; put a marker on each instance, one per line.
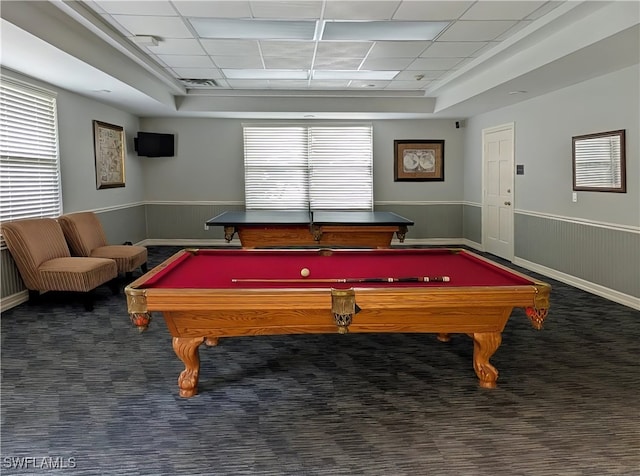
(418, 279)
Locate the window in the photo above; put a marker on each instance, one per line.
(294, 167)
(599, 162)
(29, 162)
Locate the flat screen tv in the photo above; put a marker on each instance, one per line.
(153, 144)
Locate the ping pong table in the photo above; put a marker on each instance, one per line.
(284, 228)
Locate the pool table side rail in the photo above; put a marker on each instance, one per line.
(543, 289)
(318, 298)
(471, 300)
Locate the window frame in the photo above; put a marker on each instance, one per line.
(313, 151)
(617, 164)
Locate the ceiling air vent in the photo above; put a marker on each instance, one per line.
(199, 83)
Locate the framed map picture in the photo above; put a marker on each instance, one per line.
(418, 160)
(108, 143)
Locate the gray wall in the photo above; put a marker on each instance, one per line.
(597, 238)
(207, 176)
(122, 210)
(169, 198)
(77, 159)
(208, 165)
(544, 127)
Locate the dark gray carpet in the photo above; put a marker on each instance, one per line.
(86, 391)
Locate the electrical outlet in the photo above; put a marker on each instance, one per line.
(206, 227)
(574, 197)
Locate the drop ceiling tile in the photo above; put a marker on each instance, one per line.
(434, 64)
(231, 47)
(275, 62)
(109, 19)
(161, 8)
(484, 24)
(349, 64)
(286, 9)
(455, 49)
(355, 10)
(186, 61)
(387, 64)
(161, 27)
(197, 73)
(343, 48)
(544, 9)
(427, 75)
(287, 84)
(476, 30)
(432, 11)
(214, 8)
(238, 62)
(514, 29)
(248, 29)
(398, 49)
(382, 30)
(287, 48)
(501, 10)
(248, 83)
(177, 46)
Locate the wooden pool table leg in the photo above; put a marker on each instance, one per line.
(485, 345)
(186, 348)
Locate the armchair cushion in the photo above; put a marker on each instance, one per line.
(127, 257)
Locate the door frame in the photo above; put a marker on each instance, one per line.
(509, 126)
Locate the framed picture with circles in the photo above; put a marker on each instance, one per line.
(419, 160)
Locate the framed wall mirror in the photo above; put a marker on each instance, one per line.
(599, 162)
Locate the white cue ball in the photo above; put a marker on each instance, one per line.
(304, 272)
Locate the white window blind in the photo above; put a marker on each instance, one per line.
(309, 167)
(275, 167)
(29, 162)
(597, 162)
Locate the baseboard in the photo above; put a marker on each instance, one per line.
(14, 300)
(187, 243)
(598, 290)
(235, 243)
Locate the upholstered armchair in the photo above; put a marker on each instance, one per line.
(44, 261)
(85, 236)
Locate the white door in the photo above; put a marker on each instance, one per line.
(497, 203)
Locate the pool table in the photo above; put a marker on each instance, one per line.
(286, 228)
(206, 294)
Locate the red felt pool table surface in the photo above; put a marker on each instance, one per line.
(265, 268)
(205, 295)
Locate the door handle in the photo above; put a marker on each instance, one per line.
(507, 203)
